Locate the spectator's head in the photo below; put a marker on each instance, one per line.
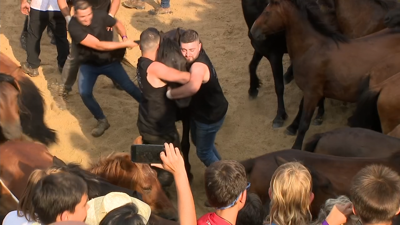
(60, 197)
(226, 185)
(291, 195)
(375, 193)
(252, 213)
(83, 12)
(117, 208)
(190, 45)
(150, 40)
(25, 207)
(327, 207)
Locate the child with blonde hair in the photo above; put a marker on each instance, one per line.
(291, 195)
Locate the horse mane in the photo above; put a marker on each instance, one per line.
(311, 9)
(115, 167)
(9, 79)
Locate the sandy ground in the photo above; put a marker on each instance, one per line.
(247, 131)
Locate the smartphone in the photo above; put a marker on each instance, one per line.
(146, 153)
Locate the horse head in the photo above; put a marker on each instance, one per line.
(10, 124)
(120, 170)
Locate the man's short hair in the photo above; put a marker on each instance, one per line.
(375, 193)
(224, 181)
(253, 211)
(149, 39)
(189, 36)
(57, 193)
(81, 5)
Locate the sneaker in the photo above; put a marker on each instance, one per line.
(160, 11)
(29, 70)
(102, 126)
(137, 4)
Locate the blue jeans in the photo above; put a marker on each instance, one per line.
(203, 137)
(164, 3)
(87, 79)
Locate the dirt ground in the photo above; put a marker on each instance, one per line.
(247, 131)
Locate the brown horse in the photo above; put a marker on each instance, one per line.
(382, 102)
(395, 132)
(353, 142)
(16, 164)
(10, 125)
(30, 106)
(325, 63)
(331, 175)
(8, 202)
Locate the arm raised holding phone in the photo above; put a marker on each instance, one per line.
(173, 163)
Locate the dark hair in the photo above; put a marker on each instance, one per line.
(224, 181)
(81, 5)
(253, 211)
(123, 215)
(57, 193)
(375, 193)
(189, 36)
(149, 39)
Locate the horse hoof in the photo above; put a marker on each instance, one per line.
(253, 93)
(318, 121)
(277, 123)
(288, 77)
(291, 132)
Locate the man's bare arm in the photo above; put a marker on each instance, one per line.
(92, 42)
(169, 74)
(197, 73)
(114, 7)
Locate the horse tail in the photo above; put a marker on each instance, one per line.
(311, 145)
(248, 165)
(366, 114)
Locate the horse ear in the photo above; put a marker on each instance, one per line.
(320, 181)
(279, 160)
(126, 163)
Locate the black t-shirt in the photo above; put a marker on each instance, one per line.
(209, 104)
(157, 113)
(98, 28)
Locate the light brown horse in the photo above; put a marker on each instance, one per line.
(19, 158)
(325, 63)
(30, 107)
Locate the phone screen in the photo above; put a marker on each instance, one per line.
(146, 153)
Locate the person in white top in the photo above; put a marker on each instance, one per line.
(42, 14)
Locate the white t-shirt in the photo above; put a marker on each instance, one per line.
(12, 218)
(45, 5)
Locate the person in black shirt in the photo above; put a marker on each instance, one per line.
(98, 55)
(157, 113)
(70, 71)
(208, 105)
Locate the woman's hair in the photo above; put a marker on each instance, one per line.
(25, 206)
(290, 195)
(123, 215)
(327, 207)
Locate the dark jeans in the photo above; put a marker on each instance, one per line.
(164, 3)
(87, 80)
(166, 178)
(203, 137)
(38, 21)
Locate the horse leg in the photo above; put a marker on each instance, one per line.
(288, 77)
(277, 70)
(254, 81)
(292, 128)
(185, 143)
(310, 102)
(320, 114)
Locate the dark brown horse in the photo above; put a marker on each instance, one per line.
(19, 158)
(30, 106)
(378, 107)
(331, 175)
(343, 14)
(325, 63)
(353, 142)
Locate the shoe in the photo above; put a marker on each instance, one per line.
(137, 4)
(102, 126)
(160, 11)
(29, 70)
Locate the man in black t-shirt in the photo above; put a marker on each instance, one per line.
(98, 55)
(71, 67)
(208, 105)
